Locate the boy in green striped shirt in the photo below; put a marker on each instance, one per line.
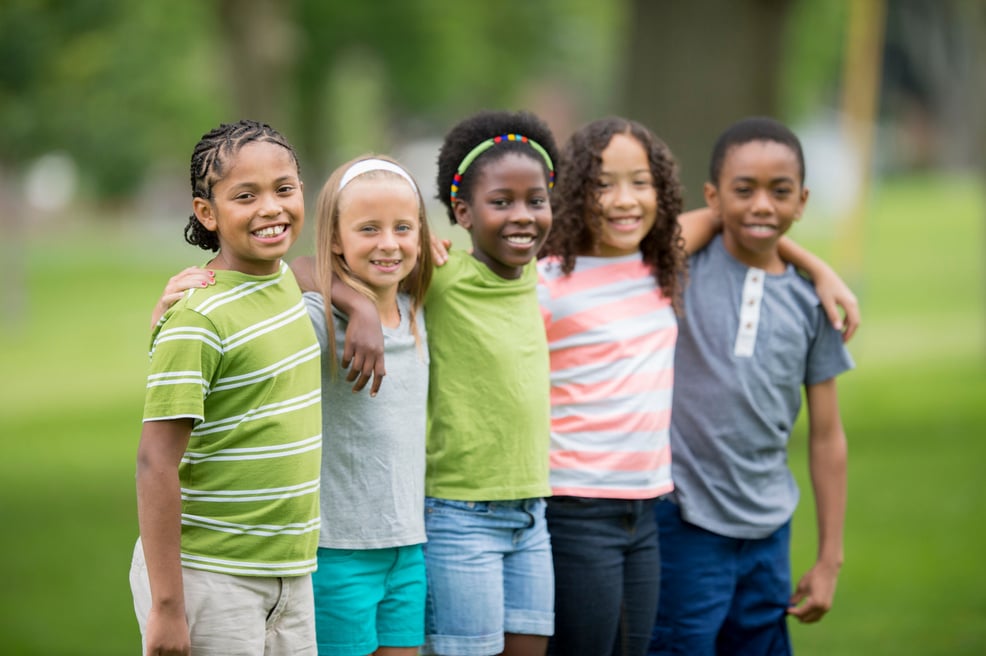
(229, 455)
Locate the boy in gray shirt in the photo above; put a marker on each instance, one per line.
(753, 333)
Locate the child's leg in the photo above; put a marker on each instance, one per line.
(401, 613)
(349, 585)
(606, 574)
(528, 579)
(489, 574)
(291, 624)
(464, 566)
(236, 615)
(757, 621)
(698, 575)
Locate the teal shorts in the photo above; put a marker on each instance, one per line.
(365, 599)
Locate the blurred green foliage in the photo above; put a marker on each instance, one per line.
(121, 85)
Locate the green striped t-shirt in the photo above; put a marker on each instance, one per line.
(240, 358)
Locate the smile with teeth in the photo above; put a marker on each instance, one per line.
(270, 231)
(520, 240)
(385, 263)
(761, 228)
(625, 220)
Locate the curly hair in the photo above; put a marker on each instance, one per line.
(329, 263)
(578, 214)
(479, 127)
(209, 163)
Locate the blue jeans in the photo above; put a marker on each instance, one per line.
(489, 572)
(607, 575)
(721, 595)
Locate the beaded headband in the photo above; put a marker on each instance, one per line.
(489, 143)
(374, 164)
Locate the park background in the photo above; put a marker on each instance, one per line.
(102, 101)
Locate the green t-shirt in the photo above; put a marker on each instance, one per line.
(241, 359)
(488, 394)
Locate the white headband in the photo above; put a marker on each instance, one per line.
(373, 164)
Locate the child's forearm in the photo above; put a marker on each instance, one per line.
(698, 227)
(828, 454)
(159, 507)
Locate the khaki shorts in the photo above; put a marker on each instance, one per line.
(237, 615)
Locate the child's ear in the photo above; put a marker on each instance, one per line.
(336, 246)
(463, 215)
(711, 197)
(801, 203)
(204, 213)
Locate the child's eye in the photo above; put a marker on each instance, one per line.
(243, 196)
(643, 183)
(404, 227)
(500, 202)
(539, 201)
(285, 189)
(603, 184)
(782, 192)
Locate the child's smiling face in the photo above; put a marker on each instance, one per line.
(626, 196)
(759, 196)
(509, 215)
(257, 209)
(378, 232)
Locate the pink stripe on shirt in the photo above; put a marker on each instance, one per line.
(656, 421)
(650, 342)
(640, 383)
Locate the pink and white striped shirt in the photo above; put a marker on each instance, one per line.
(611, 337)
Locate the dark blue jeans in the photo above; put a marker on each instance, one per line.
(607, 575)
(721, 595)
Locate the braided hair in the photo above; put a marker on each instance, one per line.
(210, 160)
(479, 127)
(578, 216)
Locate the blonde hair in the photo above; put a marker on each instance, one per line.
(329, 263)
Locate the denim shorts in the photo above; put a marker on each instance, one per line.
(720, 595)
(489, 572)
(369, 598)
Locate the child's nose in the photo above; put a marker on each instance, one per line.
(270, 207)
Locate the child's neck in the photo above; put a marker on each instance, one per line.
(390, 313)
(769, 260)
(222, 263)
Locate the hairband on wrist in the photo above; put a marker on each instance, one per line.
(489, 143)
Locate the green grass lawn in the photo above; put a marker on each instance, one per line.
(915, 411)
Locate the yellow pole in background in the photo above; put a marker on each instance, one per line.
(862, 68)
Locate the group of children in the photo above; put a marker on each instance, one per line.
(503, 490)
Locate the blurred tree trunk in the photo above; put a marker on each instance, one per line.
(260, 36)
(695, 67)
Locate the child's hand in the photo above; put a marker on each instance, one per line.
(835, 294)
(440, 249)
(814, 594)
(177, 285)
(362, 354)
(167, 632)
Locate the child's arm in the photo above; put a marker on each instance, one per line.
(698, 227)
(827, 463)
(362, 354)
(162, 444)
(831, 290)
